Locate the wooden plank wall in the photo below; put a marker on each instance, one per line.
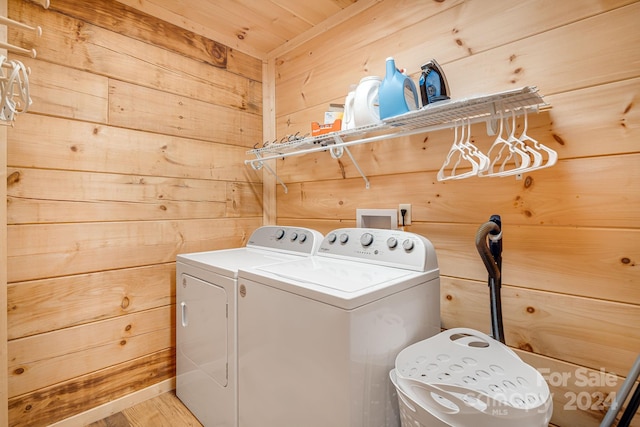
(132, 153)
(571, 285)
(4, 417)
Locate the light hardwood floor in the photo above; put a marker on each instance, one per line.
(165, 410)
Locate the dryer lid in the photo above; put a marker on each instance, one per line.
(227, 262)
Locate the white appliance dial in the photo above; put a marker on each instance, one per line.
(344, 238)
(279, 234)
(408, 245)
(366, 239)
(392, 242)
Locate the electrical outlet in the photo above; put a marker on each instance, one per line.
(407, 215)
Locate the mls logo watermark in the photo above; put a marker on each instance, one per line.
(583, 400)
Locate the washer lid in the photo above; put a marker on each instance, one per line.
(336, 275)
(345, 284)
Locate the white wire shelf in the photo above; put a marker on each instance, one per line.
(441, 115)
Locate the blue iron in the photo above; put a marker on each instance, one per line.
(433, 83)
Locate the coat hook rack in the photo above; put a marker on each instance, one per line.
(14, 83)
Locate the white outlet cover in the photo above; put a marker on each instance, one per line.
(377, 218)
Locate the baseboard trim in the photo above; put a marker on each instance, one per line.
(115, 406)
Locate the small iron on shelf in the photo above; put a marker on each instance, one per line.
(433, 83)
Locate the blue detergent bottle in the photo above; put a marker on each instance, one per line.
(397, 93)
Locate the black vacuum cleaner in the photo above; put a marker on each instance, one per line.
(489, 246)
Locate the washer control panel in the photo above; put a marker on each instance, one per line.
(389, 247)
(285, 238)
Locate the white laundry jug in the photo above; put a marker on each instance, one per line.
(366, 106)
(348, 121)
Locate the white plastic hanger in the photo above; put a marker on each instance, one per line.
(483, 160)
(14, 90)
(502, 151)
(551, 155)
(459, 152)
(520, 145)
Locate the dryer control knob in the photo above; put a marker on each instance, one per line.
(407, 245)
(366, 239)
(332, 238)
(344, 238)
(392, 242)
(294, 236)
(279, 234)
(303, 238)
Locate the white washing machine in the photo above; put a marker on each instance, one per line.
(318, 336)
(206, 317)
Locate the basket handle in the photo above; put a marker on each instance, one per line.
(474, 339)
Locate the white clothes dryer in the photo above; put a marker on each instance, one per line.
(206, 317)
(318, 336)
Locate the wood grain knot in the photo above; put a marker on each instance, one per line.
(28, 408)
(627, 261)
(558, 139)
(123, 342)
(531, 310)
(14, 178)
(127, 328)
(125, 302)
(19, 371)
(526, 347)
(528, 182)
(449, 297)
(79, 36)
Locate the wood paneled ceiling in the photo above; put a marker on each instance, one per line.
(257, 27)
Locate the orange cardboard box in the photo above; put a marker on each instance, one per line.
(318, 129)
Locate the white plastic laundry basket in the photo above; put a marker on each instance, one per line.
(464, 378)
